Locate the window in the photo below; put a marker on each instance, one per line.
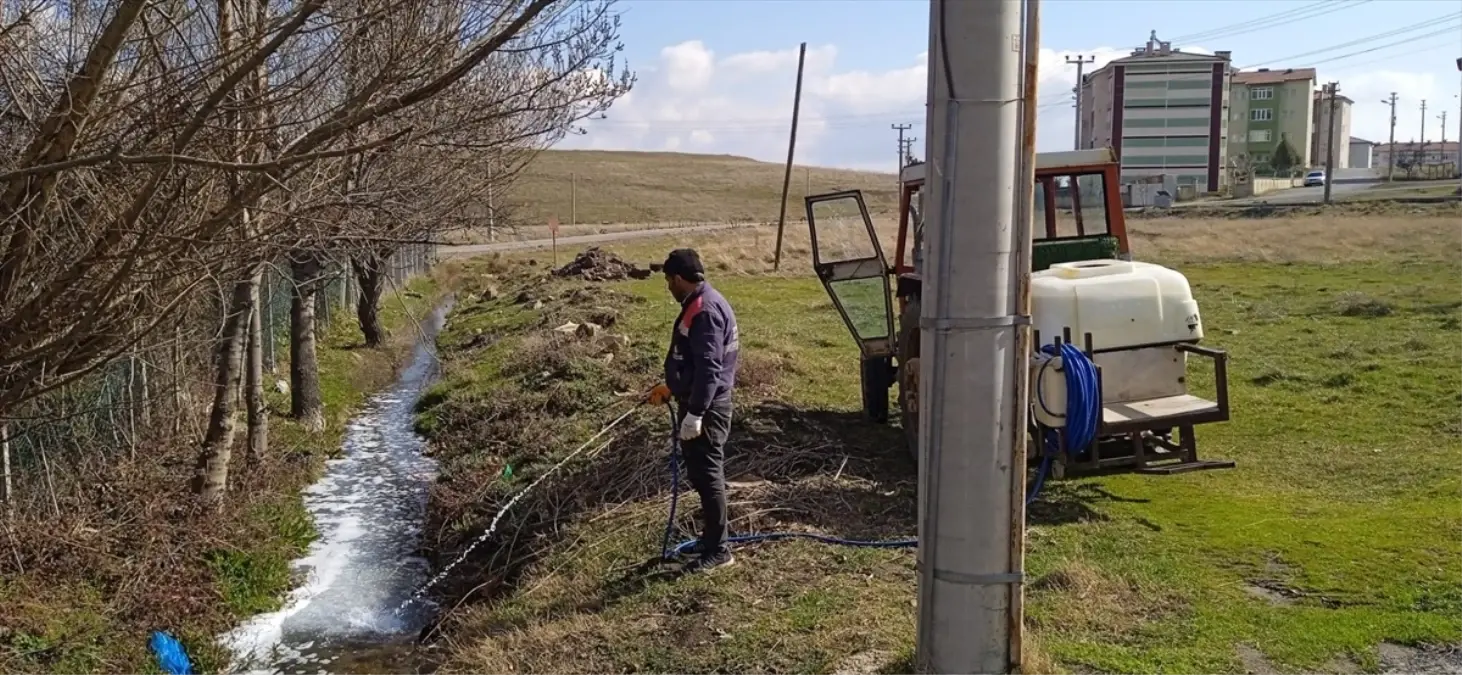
(1263, 94)
(1077, 206)
(1260, 136)
(1261, 114)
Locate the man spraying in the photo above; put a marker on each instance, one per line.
(700, 372)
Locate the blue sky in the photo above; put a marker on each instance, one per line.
(717, 75)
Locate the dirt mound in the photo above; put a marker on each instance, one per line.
(597, 264)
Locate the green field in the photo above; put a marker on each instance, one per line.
(592, 187)
(1333, 542)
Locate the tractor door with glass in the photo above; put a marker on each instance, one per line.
(849, 261)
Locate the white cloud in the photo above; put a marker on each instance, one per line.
(693, 100)
(689, 65)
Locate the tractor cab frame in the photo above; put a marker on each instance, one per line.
(1078, 217)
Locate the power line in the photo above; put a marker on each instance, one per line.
(1432, 22)
(1272, 21)
(1448, 28)
(1054, 100)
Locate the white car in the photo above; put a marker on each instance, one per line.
(1314, 178)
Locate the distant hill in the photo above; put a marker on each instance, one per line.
(660, 187)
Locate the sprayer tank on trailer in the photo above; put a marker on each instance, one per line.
(1136, 323)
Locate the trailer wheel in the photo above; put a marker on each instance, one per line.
(908, 354)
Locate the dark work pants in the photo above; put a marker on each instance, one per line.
(705, 465)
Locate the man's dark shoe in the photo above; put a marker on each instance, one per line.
(707, 563)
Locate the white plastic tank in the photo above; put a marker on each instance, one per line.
(1121, 303)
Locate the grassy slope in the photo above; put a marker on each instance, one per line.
(225, 569)
(1335, 533)
(656, 187)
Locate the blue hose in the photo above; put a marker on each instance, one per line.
(171, 657)
(1083, 410)
(667, 551)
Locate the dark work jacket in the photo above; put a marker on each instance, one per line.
(701, 367)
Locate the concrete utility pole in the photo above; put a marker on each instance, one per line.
(1080, 62)
(1391, 153)
(975, 312)
(1458, 166)
(1334, 89)
(899, 165)
(1443, 117)
(1421, 149)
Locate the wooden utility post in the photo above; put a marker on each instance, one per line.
(791, 152)
(1334, 89)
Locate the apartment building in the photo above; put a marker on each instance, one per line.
(1270, 107)
(1162, 111)
(1320, 139)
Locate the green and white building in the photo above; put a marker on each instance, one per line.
(1272, 106)
(1164, 113)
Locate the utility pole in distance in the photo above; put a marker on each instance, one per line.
(969, 586)
(1421, 149)
(898, 166)
(1080, 62)
(1443, 117)
(1334, 89)
(1391, 153)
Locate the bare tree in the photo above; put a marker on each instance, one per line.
(149, 148)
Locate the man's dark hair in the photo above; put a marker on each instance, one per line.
(686, 264)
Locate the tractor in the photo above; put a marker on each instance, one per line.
(1080, 259)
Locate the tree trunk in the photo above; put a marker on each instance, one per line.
(254, 388)
(371, 280)
(144, 395)
(180, 408)
(305, 402)
(7, 489)
(210, 475)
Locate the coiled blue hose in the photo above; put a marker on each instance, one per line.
(1083, 409)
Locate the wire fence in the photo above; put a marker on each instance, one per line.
(159, 392)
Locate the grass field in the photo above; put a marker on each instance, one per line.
(1332, 546)
(595, 188)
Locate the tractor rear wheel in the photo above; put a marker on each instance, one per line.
(908, 355)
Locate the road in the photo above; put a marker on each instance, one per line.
(1340, 191)
(1305, 195)
(580, 240)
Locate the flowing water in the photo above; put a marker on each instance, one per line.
(369, 509)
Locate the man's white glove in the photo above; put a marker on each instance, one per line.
(690, 427)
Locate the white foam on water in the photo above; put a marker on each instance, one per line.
(369, 509)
